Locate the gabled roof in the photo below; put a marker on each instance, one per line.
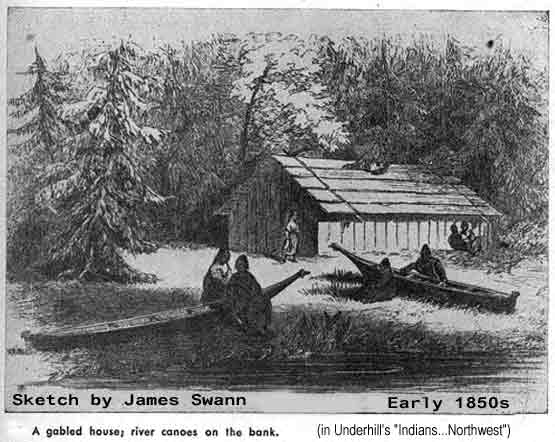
(402, 189)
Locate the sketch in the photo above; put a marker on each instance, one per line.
(264, 202)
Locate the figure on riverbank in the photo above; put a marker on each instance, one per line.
(456, 240)
(473, 242)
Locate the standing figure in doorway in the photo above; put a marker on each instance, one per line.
(291, 243)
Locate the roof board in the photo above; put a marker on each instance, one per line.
(402, 189)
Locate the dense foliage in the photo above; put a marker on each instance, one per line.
(480, 117)
(119, 145)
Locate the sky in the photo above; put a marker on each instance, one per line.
(55, 30)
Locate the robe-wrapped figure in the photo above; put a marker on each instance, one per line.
(427, 265)
(384, 288)
(216, 279)
(246, 301)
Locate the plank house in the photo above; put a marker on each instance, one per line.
(403, 208)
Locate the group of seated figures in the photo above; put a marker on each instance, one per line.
(464, 240)
(238, 295)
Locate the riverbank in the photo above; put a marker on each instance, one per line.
(396, 325)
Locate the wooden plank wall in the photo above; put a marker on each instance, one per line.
(237, 226)
(259, 214)
(393, 235)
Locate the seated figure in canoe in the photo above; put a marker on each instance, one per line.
(216, 279)
(247, 303)
(427, 265)
(250, 305)
(383, 288)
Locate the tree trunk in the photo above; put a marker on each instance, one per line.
(387, 81)
(244, 142)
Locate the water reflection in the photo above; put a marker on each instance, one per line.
(178, 360)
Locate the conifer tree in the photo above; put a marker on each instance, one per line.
(34, 146)
(104, 200)
(38, 108)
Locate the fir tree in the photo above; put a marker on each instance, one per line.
(34, 147)
(104, 200)
(39, 107)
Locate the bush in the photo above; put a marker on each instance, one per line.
(27, 244)
(526, 237)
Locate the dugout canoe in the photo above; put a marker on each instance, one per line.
(422, 288)
(109, 331)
